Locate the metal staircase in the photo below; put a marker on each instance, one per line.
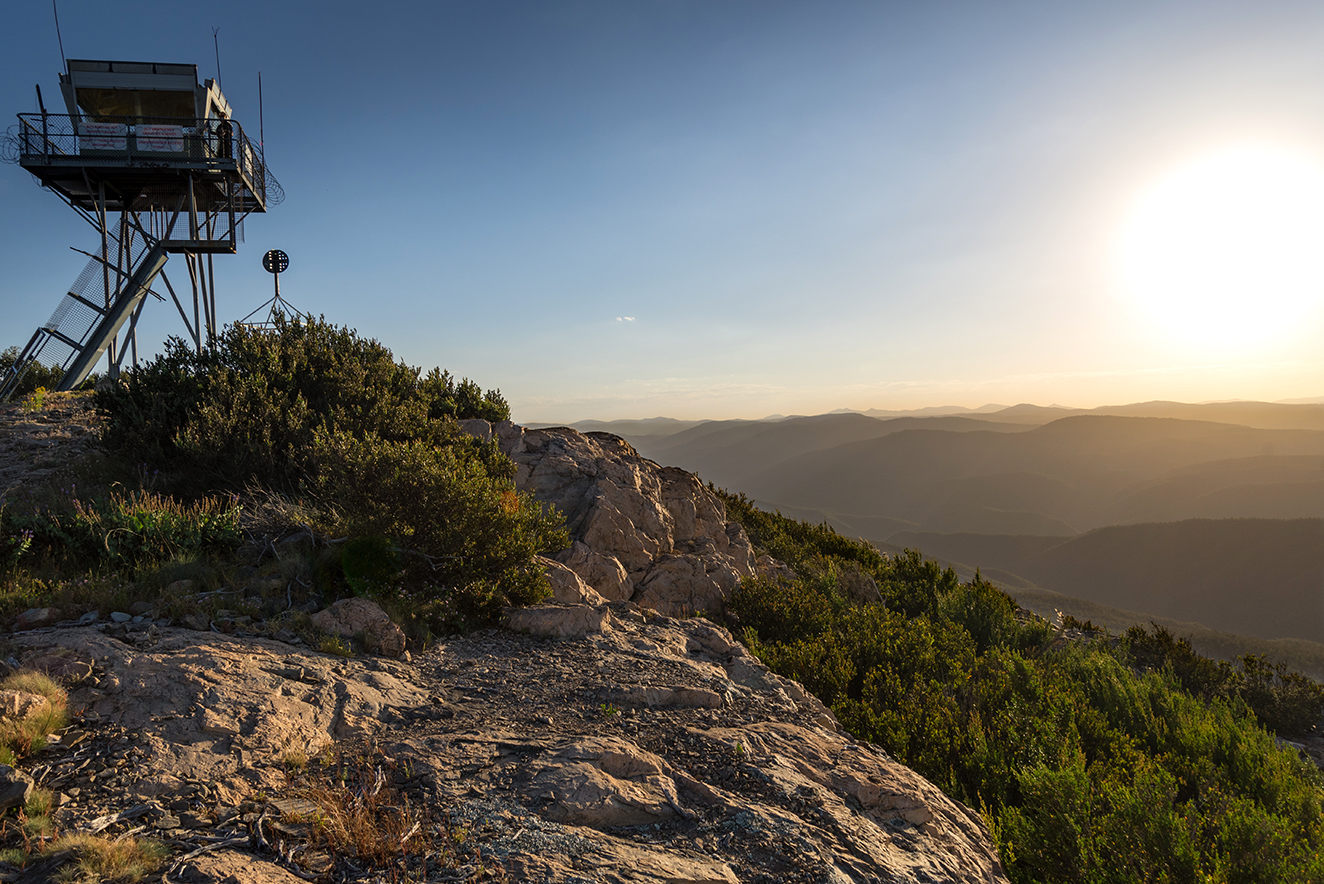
(106, 295)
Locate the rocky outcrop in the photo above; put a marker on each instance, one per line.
(646, 533)
(361, 618)
(638, 748)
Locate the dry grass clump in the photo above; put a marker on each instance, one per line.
(362, 814)
(98, 860)
(23, 736)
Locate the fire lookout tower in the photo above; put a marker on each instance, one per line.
(155, 162)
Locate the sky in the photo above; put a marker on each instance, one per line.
(721, 209)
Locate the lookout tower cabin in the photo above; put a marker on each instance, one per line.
(155, 162)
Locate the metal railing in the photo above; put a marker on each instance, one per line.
(148, 142)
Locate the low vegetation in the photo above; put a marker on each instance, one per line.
(93, 859)
(356, 808)
(303, 431)
(291, 467)
(1096, 760)
(24, 735)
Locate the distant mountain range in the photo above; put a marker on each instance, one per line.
(962, 474)
(1206, 513)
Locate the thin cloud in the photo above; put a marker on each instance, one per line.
(625, 319)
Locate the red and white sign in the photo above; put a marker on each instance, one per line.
(169, 138)
(103, 136)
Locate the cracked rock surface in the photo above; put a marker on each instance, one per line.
(643, 532)
(645, 749)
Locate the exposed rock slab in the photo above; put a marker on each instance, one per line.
(647, 750)
(225, 710)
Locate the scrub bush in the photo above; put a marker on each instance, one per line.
(431, 522)
(1095, 761)
(471, 536)
(248, 410)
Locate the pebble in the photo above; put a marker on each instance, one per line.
(120, 617)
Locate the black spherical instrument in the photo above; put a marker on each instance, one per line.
(275, 261)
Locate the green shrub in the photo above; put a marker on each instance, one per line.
(1285, 702)
(1091, 762)
(471, 536)
(312, 411)
(983, 610)
(248, 411)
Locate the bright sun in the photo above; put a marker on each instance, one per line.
(1228, 250)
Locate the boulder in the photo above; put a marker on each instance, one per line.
(35, 618)
(567, 587)
(354, 617)
(768, 568)
(633, 522)
(558, 621)
(15, 787)
(477, 427)
(604, 573)
(21, 704)
(684, 585)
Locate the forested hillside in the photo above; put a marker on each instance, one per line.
(1092, 759)
(1196, 570)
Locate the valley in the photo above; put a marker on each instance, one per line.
(1207, 519)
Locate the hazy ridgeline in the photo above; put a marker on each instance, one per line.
(1202, 515)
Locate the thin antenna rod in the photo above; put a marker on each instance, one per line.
(63, 61)
(217, 43)
(261, 137)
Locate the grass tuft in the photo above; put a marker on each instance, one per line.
(362, 813)
(97, 859)
(23, 736)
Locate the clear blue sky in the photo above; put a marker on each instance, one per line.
(718, 209)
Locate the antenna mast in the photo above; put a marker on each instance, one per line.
(216, 42)
(63, 62)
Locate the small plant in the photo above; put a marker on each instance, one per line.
(362, 814)
(36, 817)
(607, 710)
(334, 644)
(23, 736)
(14, 546)
(98, 859)
(294, 760)
(35, 401)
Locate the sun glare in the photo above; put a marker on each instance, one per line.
(1228, 250)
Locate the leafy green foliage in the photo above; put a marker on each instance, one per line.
(431, 521)
(248, 411)
(132, 529)
(1092, 761)
(467, 530)
(1285, 702)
